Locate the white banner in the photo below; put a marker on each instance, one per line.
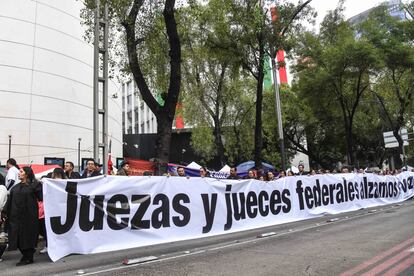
(111, 213)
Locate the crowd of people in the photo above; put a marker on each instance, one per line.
(271, 175)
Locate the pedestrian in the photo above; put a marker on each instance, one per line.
(282, 173)
(180, 171)
(3, 200)
(70, 174)
(124, 170)
(12, 177)
(23, 215)
(204, 172)
(301, 169)
(250, 175)
(90, 170)
(233, 173)
(290, 173)
(58, 173)
(270, 176)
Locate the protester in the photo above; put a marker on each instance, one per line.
(290, 173)
(270, 176)
(90, 170)
(233, 173)
(124, 170)
(203, 172)
(98, 167)
(180, 171)
(2, 180)
(69, 171)
(3, 200)
(57, 173)
(250, 175)
(22, 212)
(282, 174)
(301, 169)
(12, 177)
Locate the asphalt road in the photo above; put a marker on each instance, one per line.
(376, 241)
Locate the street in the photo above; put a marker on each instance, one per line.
(374, 241)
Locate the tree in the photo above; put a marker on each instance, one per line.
(139, 24)
(250, 39)
(394, 87)
(337, 65)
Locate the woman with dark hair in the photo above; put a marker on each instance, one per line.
(22, 213)
(59, 173)
(204, 172)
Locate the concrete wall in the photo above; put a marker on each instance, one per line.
(46, 79)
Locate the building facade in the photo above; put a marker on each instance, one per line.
(137, 118)
(395, 8)
(46, 84)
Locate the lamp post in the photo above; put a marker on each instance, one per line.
(10, 145)
(79, 160)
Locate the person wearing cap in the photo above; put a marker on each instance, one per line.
(124, 170)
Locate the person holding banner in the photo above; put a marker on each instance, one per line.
(90, 170)
(203, 172)
(124, 170)
(21, 210)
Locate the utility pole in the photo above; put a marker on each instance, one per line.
(79, 158)
(278, 105)
(100, 86)
(10, 138)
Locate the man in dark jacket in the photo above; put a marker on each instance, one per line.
(124, 170)
(233, 173)
(90, 170)
(69, 171)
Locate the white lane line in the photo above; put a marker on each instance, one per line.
(290, 231)
(411, 250)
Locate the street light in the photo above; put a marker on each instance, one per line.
(10, 145)
(79, 160)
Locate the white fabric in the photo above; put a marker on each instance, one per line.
(193, 165)
(226, 168)
(3, 196)
(12, 174)
(129, 212)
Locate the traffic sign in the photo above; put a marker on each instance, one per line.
(391, 142)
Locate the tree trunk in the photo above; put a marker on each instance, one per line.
(258, 136)
(163, 143)
(219, 142)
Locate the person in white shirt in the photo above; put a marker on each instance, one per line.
(12, 177)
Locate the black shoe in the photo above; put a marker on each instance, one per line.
(24, 262)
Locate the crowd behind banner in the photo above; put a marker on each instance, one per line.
(128, 212)
(21, 196)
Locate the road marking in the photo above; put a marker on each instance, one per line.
(378, 258)
(387, 264)
(401, 267)
(268, 234)
(411, 250)
(290, 231)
